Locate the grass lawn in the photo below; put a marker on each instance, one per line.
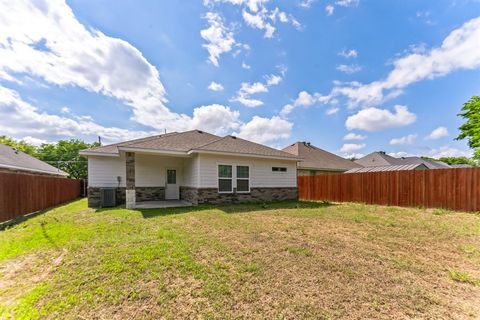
(276, 261)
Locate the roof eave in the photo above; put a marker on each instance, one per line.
(155, 151)
(87, 153)
(244, 155)
(59, 173)
(323, 169)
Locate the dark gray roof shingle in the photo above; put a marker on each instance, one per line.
(316, 158)
(194, 140)
(14, 159)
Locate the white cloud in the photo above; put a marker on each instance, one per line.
(354, 136)
(350, 147)
(447, 151)
(374, 119)
(408, 139)
(259, 21)
(20, 118)
(65, 110)
(266, 130)
(245, 66)
(329, 9)
(438, 133)
(349, 68)
(215, 86)
(305, 99)
(347, 3)
(247, 89)
(56, 48)
(256, 15)
(354, 155)
(332, 110)
(273, 80)
(34, 141)
(219, 38)
(460, 50)
(306, 3)
(352, 53)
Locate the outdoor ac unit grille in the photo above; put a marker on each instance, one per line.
(108, 197)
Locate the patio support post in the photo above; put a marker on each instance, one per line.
(130, 179)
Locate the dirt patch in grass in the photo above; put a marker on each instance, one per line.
(287, 260)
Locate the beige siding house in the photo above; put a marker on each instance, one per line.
(315, 161)
(194, 166)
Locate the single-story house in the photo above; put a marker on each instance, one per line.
(315, 161)
(14, 160)
(194, 166)
(381, 159)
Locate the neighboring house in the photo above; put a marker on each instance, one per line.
(381, 159)
(195, 166)
(401, 167)
(314, 161)
(13, 160)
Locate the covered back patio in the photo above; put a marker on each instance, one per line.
(154, 180)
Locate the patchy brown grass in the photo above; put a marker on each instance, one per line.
(284, 260)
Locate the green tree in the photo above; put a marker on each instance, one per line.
(471, 128)
(458, 160)
(19, 145)
(65, 155)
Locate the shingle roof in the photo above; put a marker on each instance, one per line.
(418, 166)
(195, 141)
(376, 159)
(14, 159)
(316, 158)
(231, 144)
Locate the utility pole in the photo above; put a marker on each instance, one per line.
(99, 140)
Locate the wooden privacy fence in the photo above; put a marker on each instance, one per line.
(456, 189)
(21, 194)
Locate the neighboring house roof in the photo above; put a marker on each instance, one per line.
(380, 158)
(194, 141)
(462, 165)
(427, 162)
(403, 167)
(13, 159)
(314, 158)
(376, 159)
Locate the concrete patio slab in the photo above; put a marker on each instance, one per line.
(162, 204)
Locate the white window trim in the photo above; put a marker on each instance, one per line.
(236, 178)
(218, 177)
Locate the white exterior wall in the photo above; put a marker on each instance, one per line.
(190, 172)
(261, 175)
(198, 171)
(103, 171)
(151, 170)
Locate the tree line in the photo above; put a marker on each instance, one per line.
(63, 154)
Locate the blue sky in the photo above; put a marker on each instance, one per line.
(350, 76)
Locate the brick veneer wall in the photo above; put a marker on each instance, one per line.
(211, 195)
(200, 195)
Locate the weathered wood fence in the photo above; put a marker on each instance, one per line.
(21, 194)
(456, 189)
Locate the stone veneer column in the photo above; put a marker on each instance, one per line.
(130, 179)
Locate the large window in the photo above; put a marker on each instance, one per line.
(225, 178)
(243, 179)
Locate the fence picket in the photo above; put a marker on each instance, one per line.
(456, 189)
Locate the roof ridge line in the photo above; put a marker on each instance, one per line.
(206, 144)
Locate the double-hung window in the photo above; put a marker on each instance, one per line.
(243, 179)
(225, 179)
